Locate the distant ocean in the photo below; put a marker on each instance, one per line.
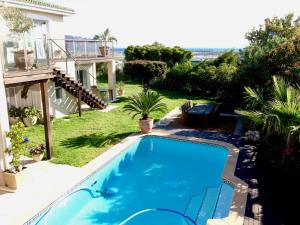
(121, 50)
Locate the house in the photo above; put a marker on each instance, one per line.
(47, 71)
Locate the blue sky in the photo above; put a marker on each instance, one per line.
(188, 23)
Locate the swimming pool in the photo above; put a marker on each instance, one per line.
(156, 180)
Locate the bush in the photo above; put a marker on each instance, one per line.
(177, 76)
(158, 52)
(145, 70)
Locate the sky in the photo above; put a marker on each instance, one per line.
(187, 23)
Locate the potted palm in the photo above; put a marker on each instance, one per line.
(105, 37)
(14, 114)
(19, 24)
(37, 152)
(143, 104)
(30, 116)
(12, 176)
(120, 88)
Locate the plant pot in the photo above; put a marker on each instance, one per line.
(37, 157)
(30, 121)
(13, 120)
(121, 92)
(14, 180)
(104, 51)
(20, 59)
(146, 125)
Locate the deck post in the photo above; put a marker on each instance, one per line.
(47, 122)
(79, 101)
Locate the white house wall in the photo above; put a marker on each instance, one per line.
(66, 105)
(4, 125)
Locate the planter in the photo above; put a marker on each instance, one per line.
(14, 180)
(146, 125)
(37, 157)
(121, 92)
(104, 51)
(20, 59)
(13, 120)
(30, 121)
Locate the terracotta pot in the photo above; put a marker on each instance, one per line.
(30, 121)
(20, 59)
(13, 120)
(104, 51)
(15, 180)
(146, 125)
(121, 92)
(37, 157)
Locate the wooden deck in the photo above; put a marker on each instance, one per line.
(21, 77)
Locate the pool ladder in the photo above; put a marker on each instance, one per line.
(204, 194)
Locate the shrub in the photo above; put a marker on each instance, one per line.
(145, 71)
(16, 135)
(30, 112)
(177, 76)
(158, 52)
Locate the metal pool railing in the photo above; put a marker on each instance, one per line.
(187, 219)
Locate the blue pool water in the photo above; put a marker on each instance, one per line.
(155, 181)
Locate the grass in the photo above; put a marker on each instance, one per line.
(78, 140)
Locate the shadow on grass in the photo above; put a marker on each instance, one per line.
(94, 140)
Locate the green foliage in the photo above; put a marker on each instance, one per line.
(16, 134)
(16, 21)
(145, 103)
(145, 71)
(120, 85)
(279, 114)
(211, 78)
(37, 149)
(15, 111)
(286, 27)
(274, 50)
(106, 36)
(158, 52)
(30, 112)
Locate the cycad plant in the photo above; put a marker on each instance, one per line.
(279, 115)
(145, 103)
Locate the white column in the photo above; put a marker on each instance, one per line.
(94, 73)
(4, 124)
(111, 69)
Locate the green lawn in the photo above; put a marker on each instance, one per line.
(78, 140)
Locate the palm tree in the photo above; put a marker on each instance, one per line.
(105, 37)
(279, 115)
(144, 103)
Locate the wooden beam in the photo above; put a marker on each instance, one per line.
(79, 101)
(47, 122)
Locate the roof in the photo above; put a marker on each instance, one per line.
(39, 5)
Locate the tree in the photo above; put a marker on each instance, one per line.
(145, 71)
(286, 27)
(279, 114)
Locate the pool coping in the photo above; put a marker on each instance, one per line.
(237, 209)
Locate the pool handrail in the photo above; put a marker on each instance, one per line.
(186, 218)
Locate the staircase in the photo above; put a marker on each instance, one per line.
(75, 88)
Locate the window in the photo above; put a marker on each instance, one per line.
(58, 93)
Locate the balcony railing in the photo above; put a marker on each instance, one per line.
(20, 56)
(81, 49)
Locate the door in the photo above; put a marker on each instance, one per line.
(82, 77)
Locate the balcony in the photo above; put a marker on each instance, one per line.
(26, 60)
(81, 50)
